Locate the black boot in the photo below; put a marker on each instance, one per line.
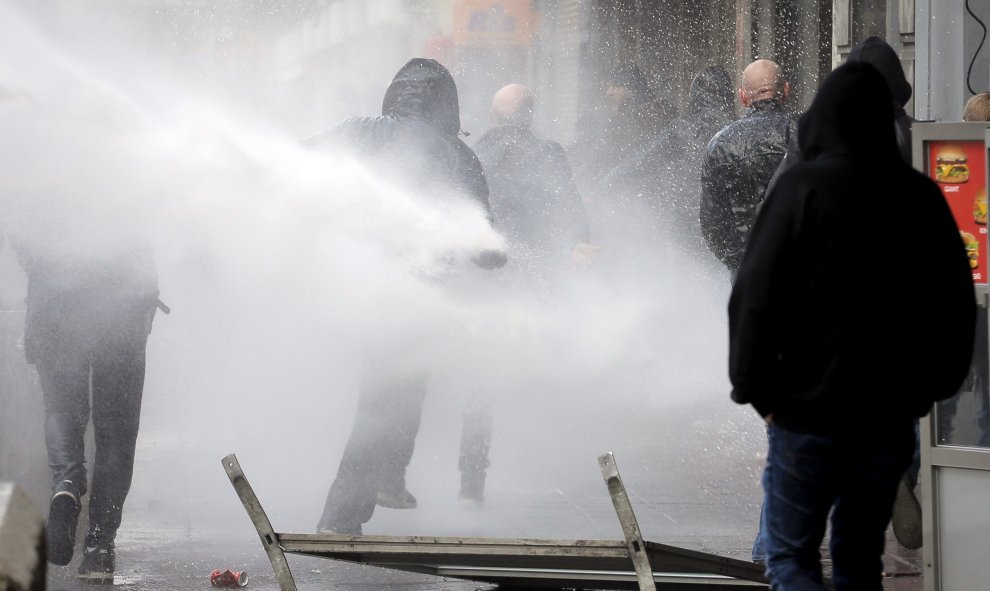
(63, 514)
(98, 561)
(472, 493)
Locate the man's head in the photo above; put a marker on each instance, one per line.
(978, 108)
(763, 79)
(513, 105)
(627, 87)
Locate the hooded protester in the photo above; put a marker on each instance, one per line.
(667, 171)
(539, 211)
(415, 140)
(635, 117)
(876, 52)
(415, 144)
(838, 368)
(710, 108)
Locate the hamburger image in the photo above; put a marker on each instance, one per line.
(972, 249)
(951, 165)
(980, 207)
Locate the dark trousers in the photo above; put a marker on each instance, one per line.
(806, 476)
(476, 438)
(114, 371)
(380, 446)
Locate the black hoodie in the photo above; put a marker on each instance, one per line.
(877, 53)
(415, 140)
(853, 310)
(671, 162)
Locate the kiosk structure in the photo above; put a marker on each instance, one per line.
(955, 438)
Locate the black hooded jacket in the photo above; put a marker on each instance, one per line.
(711, 107)
(666, 172)
(853, 309)
(735, 173)
(876, 52)
(685, 138)
(415, 140)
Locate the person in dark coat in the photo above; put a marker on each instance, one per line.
(90, 307)
(876, 52)
(539, 211)
(533, 195)
(838, 368)
(740, 161)
(635, 117)
(415, 144)
(710, 109)
(667, 172)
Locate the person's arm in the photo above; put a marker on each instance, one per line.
(715, 208)
(472, 179)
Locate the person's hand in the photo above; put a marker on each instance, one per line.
(769, 419)
(583, 254)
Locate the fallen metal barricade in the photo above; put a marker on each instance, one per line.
(515, 562)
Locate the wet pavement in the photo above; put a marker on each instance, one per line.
(705, 500)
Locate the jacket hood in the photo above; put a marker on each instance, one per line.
(876, 52)
(711, 90)
(424, 89)
(851, 114)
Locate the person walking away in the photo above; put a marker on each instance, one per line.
(906, 520)
(738, 164)
(89, 313)
(668, 171)
(532, 190)
(839, 369)
(538, 209)
(740, 161)
(635, 116)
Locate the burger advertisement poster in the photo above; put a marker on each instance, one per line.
(959, 168)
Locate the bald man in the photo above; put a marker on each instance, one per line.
(513, 105)
(741, 160)
(532, 192)
(537, 207)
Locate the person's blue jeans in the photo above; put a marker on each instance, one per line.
(807, 476)
(759, 553)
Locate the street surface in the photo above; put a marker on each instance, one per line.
(699, 491)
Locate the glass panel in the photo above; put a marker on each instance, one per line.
(963, 528)
(964, 420)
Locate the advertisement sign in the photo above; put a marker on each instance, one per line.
(959, 169)
(493, 22)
